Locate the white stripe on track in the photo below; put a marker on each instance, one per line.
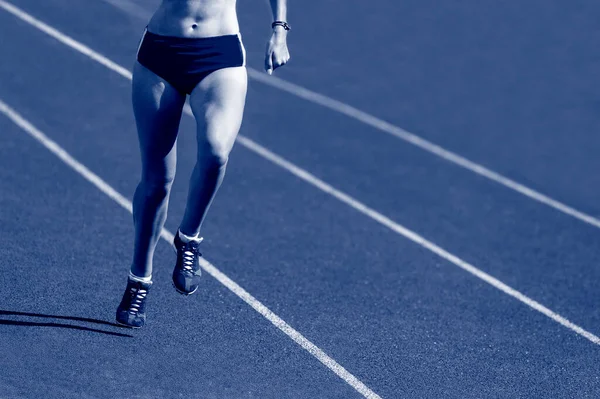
(93, 178)
(74, 44)
(417, 141)
(306, 176)
(386, 127)
(416, 238)
(131, 8)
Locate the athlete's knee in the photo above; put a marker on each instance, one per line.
(156, 187)
(213, 155)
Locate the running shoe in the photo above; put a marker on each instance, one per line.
(186, 274)
(132, 309)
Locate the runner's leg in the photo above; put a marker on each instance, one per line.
(157, 108)
(218, 105)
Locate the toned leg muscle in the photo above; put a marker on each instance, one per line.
(218, 105)
(157, 108)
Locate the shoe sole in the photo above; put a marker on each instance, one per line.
(128, 326)
(183, 292)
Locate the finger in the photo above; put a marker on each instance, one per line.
(269, 63)
(275, 62)
(279, 63)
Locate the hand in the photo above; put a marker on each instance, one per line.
(277, 52)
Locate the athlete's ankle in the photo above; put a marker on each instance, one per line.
(142, 279)
(187, 238)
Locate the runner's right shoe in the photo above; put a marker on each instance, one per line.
(132, 309)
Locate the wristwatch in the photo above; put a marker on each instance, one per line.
(282, 24)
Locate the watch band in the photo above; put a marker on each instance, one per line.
(282, 24)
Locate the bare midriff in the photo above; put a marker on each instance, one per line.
(195, 18)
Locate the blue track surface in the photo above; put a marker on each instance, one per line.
(511, 86)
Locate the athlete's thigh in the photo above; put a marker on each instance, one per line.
(157, 107)
(218, 105)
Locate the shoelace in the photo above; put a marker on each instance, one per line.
(137, 298)
(189, 252)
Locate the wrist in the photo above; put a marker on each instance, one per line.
(279, 31)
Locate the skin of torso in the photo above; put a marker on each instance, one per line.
(195, 18)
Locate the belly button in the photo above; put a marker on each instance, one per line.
(194, 26)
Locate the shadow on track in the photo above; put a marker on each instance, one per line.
(60, 325)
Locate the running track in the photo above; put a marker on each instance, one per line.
(510, 86)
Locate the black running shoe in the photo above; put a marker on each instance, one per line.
(132, 309)
(186, 274)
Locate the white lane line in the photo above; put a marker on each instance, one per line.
(93, 178)
(131, 8)
(364, 209)
(428, 146)
(386, 127)
(416, 238)
(74, 44)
